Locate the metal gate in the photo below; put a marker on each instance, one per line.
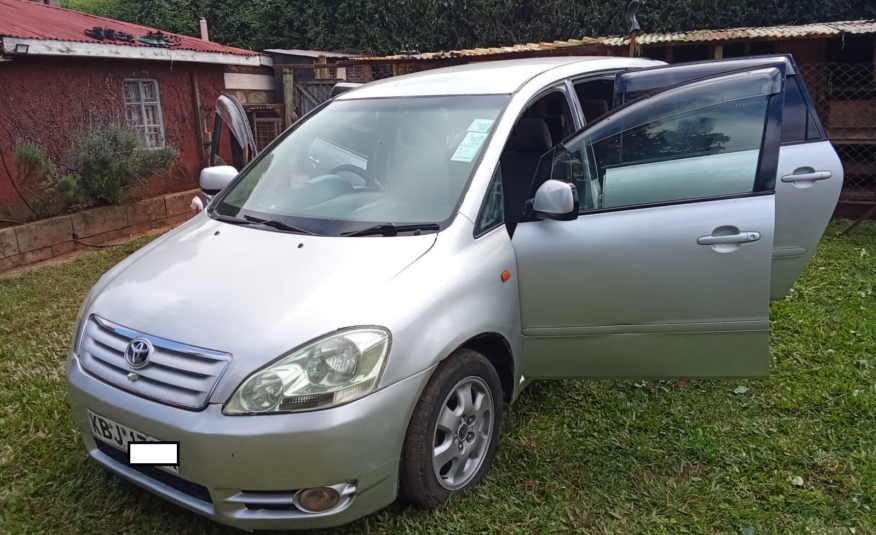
(311, 93)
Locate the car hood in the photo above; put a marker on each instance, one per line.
(251, 292)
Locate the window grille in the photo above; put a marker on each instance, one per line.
(143, 110)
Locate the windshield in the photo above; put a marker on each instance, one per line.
(359, 163)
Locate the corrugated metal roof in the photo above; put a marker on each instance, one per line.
(528, 47)
(310, 53)
(773, 32)
(31, 20)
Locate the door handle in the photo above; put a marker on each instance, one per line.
(742, 237)
(808, 177)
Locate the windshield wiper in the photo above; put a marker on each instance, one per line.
(229, 219)
(388, 229)
(277, 224)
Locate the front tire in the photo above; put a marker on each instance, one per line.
(454, 431)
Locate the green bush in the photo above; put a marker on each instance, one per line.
(102, 164)
(107, 161)
(40, 181)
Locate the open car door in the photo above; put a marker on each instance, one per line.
(230, 112)
(810, 172)
(666, 271)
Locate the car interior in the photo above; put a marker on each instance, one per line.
(543, 124)
(595, 97)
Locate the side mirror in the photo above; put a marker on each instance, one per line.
(556, 200)
(214, 179)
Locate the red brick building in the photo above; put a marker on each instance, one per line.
(54, 79)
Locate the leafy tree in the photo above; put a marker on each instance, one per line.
(381, 26)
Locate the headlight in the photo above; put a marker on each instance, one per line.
(80, 323)
(337, 369)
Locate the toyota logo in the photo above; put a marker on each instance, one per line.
(138, 352)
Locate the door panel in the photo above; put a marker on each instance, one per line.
(632, 293)
(666, 273)
(803, 208)
(231, 113)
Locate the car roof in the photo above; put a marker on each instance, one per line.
(489, 78)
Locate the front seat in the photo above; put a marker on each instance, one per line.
(529, 140)
(593, 109)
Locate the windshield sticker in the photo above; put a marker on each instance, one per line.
(480, 125)
(468, 149)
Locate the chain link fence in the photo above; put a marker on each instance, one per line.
(844, 95)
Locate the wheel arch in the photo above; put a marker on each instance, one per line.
(497, 350)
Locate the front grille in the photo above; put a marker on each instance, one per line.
(175, 374)
(194, 490)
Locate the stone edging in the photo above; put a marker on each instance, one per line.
(41, 240)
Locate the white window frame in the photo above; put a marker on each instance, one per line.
(141, 102)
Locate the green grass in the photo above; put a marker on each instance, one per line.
(588, 457)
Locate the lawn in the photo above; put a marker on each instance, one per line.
(792, 454)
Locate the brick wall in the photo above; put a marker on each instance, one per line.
(45, 100)
(48, 238)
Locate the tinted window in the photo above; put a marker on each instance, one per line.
(493, 211)
(796, 113)
(706, 152)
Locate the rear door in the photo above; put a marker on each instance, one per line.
(666, 271)
(810, 174)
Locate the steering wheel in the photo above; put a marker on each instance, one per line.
(370, 181)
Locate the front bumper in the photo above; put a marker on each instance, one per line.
(242, 470)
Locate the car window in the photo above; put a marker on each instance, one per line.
(493, 210)
(795, 117)
(393, 160)
(709, 151)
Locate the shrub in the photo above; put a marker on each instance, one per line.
(103, 163)
(107, 161)
(40, 181)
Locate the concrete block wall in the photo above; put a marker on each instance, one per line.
(42, 240)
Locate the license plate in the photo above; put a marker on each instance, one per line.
(120, 436)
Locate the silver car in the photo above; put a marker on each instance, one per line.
(348, 319)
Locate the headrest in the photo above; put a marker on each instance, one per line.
(593, 108)
(530, 136)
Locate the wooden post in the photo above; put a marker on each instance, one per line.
(633, 44)
(322, 72)
(718, 52)
(289, 97)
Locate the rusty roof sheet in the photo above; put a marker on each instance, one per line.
(489, 51)
(772, 32)
(31, 20)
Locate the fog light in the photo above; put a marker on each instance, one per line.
(317, 500)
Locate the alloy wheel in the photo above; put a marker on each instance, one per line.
(463, 433)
